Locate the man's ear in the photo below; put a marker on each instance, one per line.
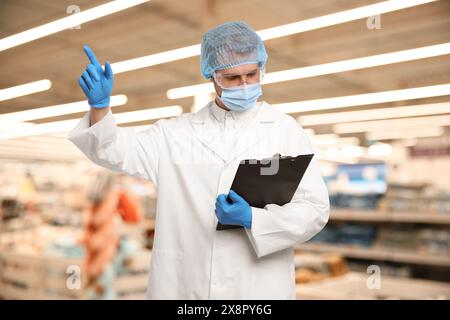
(217, 88)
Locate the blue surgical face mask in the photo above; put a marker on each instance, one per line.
(241, 98)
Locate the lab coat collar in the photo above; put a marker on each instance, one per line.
(220, 114)
(265, 115)
(255, 133)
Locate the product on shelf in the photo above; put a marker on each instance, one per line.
(392, 238)
(358, 186)
(355, 201)
(355, 234)
(316, 267)
(422, 198)
(427, 241)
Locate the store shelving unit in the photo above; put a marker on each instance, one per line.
(42, 277)
(382, 253)
(381, 216)
(354, 286)
(371, 253)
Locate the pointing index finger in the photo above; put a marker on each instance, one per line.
(91, 56)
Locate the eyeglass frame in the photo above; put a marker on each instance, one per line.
(218, 78)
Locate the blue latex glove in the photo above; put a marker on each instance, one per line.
(238, 212)
(96, 84)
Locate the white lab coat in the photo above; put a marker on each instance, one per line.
(184, 158)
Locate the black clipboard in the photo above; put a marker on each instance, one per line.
(261, 182)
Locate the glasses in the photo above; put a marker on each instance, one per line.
(228, 80)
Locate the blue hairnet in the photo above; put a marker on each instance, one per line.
(229, 45)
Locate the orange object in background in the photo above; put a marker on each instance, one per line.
(101, 237)
(111, 201)
(129, 207)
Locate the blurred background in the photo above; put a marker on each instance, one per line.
(368, 80)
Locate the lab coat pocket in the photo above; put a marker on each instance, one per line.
(273, 278)
(169, 263)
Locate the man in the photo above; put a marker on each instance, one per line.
(192, 160)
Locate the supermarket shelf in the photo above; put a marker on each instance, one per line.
(376, 254)
(353, 285)
(380, 216)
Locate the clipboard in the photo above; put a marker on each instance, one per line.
(271, 180)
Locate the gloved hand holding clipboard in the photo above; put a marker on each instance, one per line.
(268, 181)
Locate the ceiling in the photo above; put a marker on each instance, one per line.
(159, 25)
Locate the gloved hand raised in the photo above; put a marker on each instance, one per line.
(238, 212)
(96, 84)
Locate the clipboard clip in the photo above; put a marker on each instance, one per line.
(266, 160)
(269, 166)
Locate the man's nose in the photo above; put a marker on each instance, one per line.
(244, 80)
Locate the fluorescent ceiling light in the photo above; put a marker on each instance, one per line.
(21, 145)
(12, 152)
(380, 150)
(349, 141)
(351, 151)
(125, 117)
(358, 63)
(363, 99)
(321, 140)
(156, 58)
(189, 91)
(326, 68)
(200, 101)
(17, 153)
(375, 114)
(25, 89)
(325, 137)
(57, 110)
(392, 124)
(337, 18)
(344, 151)
(48, 140)
(405, 134)
(59, 135)
(67, 22)
(14, 128)
(272, 33)
(148, 114)
(339, 141)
